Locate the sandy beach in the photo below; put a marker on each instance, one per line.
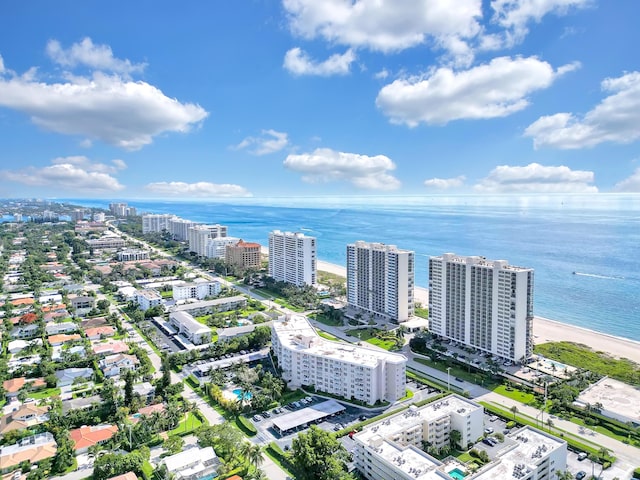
(544, 330)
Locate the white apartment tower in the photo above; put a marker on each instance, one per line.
(292, 258)
(179, 228)
(200, 234)
(156, 222)
(341, 369)
(380, 280)
(485, 304)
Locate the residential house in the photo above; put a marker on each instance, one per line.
(28, 415)
(32, 449)
(82, 302)
(57, 328)
(125, 476)
(18, 345)
(93, 322)
(146, 391)
(109, 348)
(114, 365)
(25, 331)
(96, 333)
(57, 355)
(69, 375)
(192, 463)
(12, 387)
(56, 340)
(87, 436)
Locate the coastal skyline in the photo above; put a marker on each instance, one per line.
(487, 98)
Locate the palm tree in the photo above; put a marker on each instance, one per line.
(514, 410)
(454, 438)
(253, 453)
(549, 424)
(603, 453)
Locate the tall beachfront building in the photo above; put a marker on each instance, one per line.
(156, 222)
(485, 304)
(199, 235)
(292, 258)
(341, 369)
(380, 280)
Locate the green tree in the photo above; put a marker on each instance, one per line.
(454, 438)
(65, 452)
(129, 381)
(564, 475)
(317, 455)
(174, 444)
(514, 410)
(252, 453)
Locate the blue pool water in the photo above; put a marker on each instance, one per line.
(457, 474)
(238, 393)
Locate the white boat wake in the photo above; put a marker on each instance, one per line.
(594, 275)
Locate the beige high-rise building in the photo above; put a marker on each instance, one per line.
(243, 254)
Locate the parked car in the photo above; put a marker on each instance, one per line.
(362, 418)
(257, 418)
(488, 430)
(580, 475)
(582, 456)
(266, 414)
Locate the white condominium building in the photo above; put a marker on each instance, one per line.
(200, 234)
(380, 280)
(341, 369)
(156, 222)
(391, 449)
(485, 304)
(147, 299)
(132, 254)
(292, 258)
(199, 290)
(179, 228)
(217, 247)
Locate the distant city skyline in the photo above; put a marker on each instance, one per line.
(334, 98)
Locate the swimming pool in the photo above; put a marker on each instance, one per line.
(457, 474)
(238, 393)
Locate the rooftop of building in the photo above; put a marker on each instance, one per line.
(479, 261)
(211, 303)
(414, 416)
(190, 323)
(379, 246)
(525, 448)
(615, 396)
(296, 333)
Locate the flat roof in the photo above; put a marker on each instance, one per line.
(191, 324)
(616, 397)
(307, 415)
(296, 333)
(210, 303)
(528, 446)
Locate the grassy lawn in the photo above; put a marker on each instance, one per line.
(407, 396)
(457, 371)
(464, 457)
(327, 320)
(515, 394)
(186, 425)
(46, 393)
(72, 468)
(324, 277)
(598, 362)
(147, 469)
(422, 312)
(599, 428)
(362, 333)
(386, 344)
(328, 336)
(294, 396)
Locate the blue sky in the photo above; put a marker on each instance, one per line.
(151, 99)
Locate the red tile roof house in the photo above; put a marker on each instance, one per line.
(96, 333)
(56, 340)
(85, 437)
(125, 476)
(12, 387)
(109, 348)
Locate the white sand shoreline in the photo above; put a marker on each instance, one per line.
(544, 329)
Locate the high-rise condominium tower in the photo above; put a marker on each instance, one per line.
(292, 258)
(485, 304)
(380, 280)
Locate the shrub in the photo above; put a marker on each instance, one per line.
(636, 473)
(246, 426)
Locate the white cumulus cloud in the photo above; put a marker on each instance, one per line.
(516, 15)
(271, 141)
(97, 57)
(629, 184)
(363, 171)
(536, 178)
(445, 183)
(68, 174)
(298, 62)
(496, 89)
(85, 163)
(197, 189)
(615, 119)
(385, 25)
(106, 107)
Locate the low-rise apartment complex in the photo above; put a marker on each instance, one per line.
(340, 369)
(199, 290)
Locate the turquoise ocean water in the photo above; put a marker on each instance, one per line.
(596, 236)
